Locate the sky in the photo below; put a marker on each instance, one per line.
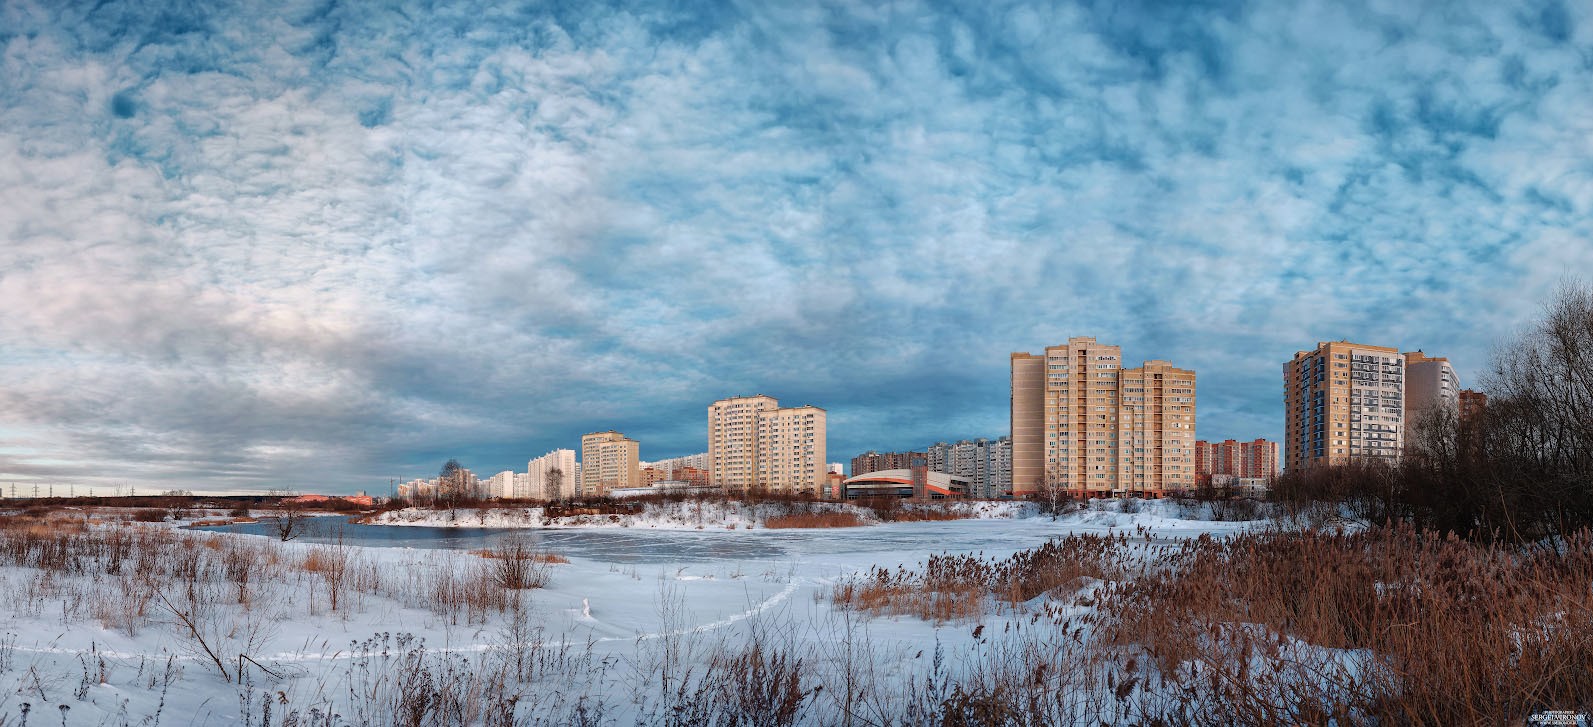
(319, 245)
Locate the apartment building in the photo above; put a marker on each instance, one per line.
(1156, 425)
(1256, 459)
(1431, 385)
(754, 443)
(1082, 422)
(608, 460)
(553, 476)
(698, 461)
(1471, 405)
(1343, 401)
(499, 485)
(872, 461)
(1027, 413)
(984, 463)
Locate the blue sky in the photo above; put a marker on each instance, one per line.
(318, 244)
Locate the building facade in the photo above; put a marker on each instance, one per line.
(1247, 460)
(984, 463)
(872, 461)
(699, 461)
(608, 459)
(500, 485)
(755, 444)
(1431, 386)
(1471, 406)
(1082, 422)
(1028, 417)
(1343, 401)
(553, 476)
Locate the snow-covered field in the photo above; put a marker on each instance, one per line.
(194, 638)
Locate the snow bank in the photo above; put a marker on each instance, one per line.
(684, 515)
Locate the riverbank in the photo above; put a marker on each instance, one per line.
(700, 514)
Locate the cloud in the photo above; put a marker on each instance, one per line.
(322, 245)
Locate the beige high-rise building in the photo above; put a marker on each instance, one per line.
(1083, 423)
(608, 460)
(754, 444)
(1343, 401)
(1156, 429)
(1430, 384)
(1028, 423)
(552, 476)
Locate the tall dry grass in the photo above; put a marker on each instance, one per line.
(1389, 626)
(814, 520)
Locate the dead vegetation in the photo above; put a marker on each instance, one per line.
(814, 520)
(1389, 626)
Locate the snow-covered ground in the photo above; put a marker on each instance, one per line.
(684, 515)
(605, 629)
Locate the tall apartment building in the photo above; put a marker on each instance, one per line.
(499, 485)
(1430, 384)
(1027, 410)
(1082, 422)
(1002, 463)
(608, 460)
(1471, 404)
(985, 463)
(754, 443)
(553, 476)
(1239, 459)
(699, 461)
(872, 461)
(1343, 401)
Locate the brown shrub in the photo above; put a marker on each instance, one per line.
(814, 520)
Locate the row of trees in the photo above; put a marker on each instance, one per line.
(455, 489)
(1520, 470)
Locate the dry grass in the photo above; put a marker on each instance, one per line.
(956, 587)
(1461, 633)
(814, 520)
(924, 513)
(1389, 626)
(535, 557)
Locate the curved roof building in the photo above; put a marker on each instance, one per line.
(902, 483)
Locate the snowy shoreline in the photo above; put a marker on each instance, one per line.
(684, 515)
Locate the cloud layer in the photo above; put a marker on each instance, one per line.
(320, 245)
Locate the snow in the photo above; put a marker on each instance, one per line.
(713, 574)
(683, 515)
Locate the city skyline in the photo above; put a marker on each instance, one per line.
(247, 247)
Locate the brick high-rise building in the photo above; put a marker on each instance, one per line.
(754, 443)
(608, 460)
(1471, 405)
(1082, 422)
(1343, 401)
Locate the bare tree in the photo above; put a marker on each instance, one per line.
(289, 522)
(1053, 490)
(553, 486)
(453, 484)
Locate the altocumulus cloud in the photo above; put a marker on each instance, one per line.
(320, 244)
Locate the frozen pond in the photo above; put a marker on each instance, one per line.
(876, 544)
(600, 544)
